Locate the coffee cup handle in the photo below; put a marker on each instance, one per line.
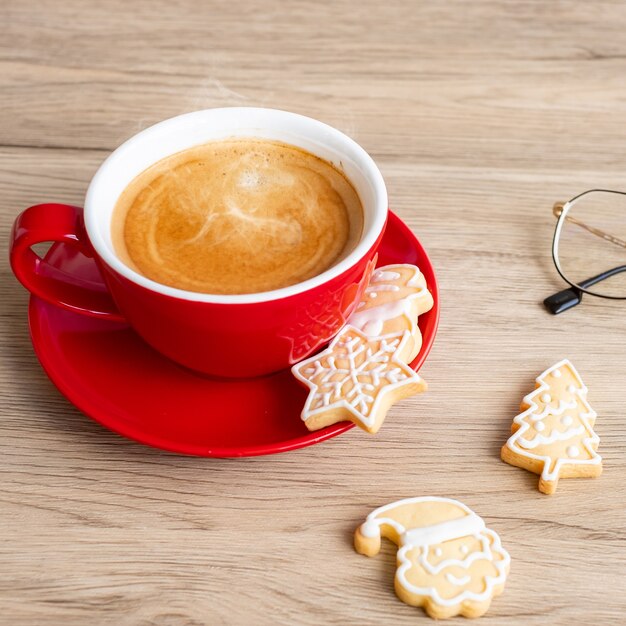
(57, 223)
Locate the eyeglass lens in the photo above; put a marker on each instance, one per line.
(592, 243)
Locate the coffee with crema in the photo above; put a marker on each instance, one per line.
(237, 216)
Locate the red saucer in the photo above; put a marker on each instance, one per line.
(110, 374)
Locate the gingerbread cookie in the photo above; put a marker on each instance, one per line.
(391, 303)
(357, 378)
(364, 370)
(448, 561)
(554, 436)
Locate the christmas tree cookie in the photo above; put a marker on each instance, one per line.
(554, 435)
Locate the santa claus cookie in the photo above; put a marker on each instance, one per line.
(554, 435)
(357, 378)
(448, 561)
(391, 303)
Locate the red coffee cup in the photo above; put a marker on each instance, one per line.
(221, 335)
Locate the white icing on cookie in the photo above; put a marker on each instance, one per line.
(370, 528)
(572, 451)
(549, 409)
(371, 321)
(555, 435)
(471, 524)
(458, 581)
(383, 275)
(374, 288)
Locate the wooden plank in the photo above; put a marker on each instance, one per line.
(480, 116)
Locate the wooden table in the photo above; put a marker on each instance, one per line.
(480, 116)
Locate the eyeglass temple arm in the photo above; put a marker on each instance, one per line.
(568, 298)
(557, 209)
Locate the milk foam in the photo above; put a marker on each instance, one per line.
(237, 216)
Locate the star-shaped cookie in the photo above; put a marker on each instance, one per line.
(356, 378)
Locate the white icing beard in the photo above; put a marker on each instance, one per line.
(490, 544)
(465, 563)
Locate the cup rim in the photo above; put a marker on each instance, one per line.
(362, 248)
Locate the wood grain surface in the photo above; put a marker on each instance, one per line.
(480, 115)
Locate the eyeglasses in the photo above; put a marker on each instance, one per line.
(590, 240)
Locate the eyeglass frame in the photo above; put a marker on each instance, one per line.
(561, 211)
